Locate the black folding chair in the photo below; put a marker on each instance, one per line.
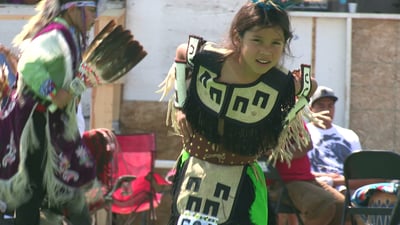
(283, 202)
(6, 219)
(369, 164)
(395, 217)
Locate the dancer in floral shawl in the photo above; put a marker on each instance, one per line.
(41, 149)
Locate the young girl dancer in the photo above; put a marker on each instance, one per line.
(240, 104)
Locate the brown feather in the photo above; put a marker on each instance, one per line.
(105, 45)
(98, 39)
(115, 68)
(116, 47)
(112, 54)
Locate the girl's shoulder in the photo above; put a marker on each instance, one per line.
(213, 47)
(212, 51)
(210, 55)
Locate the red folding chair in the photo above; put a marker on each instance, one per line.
(103, 146)
(136, 157)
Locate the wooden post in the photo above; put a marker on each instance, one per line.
(106, 99)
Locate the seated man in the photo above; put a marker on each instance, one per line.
(332, 143)
(318, 202)
(313, 194)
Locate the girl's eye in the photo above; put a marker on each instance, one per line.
(277, 43)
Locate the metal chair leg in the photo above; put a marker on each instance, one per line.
(395, 218)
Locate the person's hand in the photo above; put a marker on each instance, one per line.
(62, 98)
(333, 179)
(298, 83)
(325, 179)
(184, 127)
(297, 80)
(338, 179)
(321, 119)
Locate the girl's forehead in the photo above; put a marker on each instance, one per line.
(266, 30)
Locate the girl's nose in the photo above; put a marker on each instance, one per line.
(265, 52)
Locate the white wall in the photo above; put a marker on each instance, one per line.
(331, 62)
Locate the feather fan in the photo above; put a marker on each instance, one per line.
(107, 29)
(111, 54)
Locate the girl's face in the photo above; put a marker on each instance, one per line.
(261, 49)
(77, 15)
